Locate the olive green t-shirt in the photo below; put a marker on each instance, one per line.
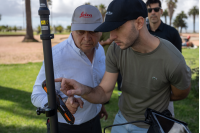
(146, 78)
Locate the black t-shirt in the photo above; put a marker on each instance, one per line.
(169, 33)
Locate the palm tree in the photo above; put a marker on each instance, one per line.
(29, 30)
(179, 21)
(171, 4)
(183, 16)
(102, 9)
(165, 14)
(194, 12)
(0, 16)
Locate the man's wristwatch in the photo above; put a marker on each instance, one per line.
(64, 99)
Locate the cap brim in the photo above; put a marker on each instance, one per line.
(86, 27)
(109, 26)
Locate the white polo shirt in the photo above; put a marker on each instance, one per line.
(70, 62)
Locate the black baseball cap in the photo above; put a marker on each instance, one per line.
(121, 11)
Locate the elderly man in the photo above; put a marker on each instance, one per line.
(81, 58)
(151, 68)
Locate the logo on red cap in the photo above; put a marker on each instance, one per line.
(85, 15)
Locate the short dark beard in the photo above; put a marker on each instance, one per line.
(132, 41)
(137, 38)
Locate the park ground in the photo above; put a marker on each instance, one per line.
(13, 50)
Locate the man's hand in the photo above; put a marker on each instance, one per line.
(103, 113)
(73, 103)
(99, 94)
(71, 87)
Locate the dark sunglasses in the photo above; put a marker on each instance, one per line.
(155, 9)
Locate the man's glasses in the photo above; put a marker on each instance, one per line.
(155, 9)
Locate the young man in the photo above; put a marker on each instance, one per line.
(151, 68)
(81, 58)
(158, 28)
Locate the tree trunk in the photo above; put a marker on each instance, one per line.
(165, 19)
(29, 31)
(103, 17)
(170, 16)
(170, 12)
(194, 23)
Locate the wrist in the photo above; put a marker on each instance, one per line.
(87, 91)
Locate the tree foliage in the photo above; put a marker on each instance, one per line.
(38, 29)
(68, 29)
(179, 21)
(194, 12)
(102, 9)
(87, 3)
(59, 28)
(165, 14)
(15, 28)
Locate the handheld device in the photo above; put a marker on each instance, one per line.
(61, 106)
(162, 123)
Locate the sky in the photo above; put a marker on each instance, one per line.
(13, 12)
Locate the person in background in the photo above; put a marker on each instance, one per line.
(158, 28)
(82, 58)
(187, 43)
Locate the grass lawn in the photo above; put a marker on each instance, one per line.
(12, 33)
(18, 115)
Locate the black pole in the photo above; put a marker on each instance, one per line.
(48, 62)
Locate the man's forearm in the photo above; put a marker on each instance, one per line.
(96, 95)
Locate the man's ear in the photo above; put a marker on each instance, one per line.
(140, 22)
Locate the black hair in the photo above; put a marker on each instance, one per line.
(152, 2)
